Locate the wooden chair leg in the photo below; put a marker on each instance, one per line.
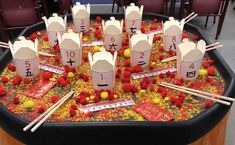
(221, 20)
(118, 9)
(181, 9)
(207, 17)
(113, 5)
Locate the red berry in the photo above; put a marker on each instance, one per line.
(137, 68)
(89, 114)
(5, 79)
(73, 106)
(172, 99)
(127, 87)
(54, 99)
(151, 88)
(16, 100)
(206, 64)
(63, 83)
(98, 19)
(211, 71)
(127, 63)
(181, 95)
(34, 36)
(143, 85)
(77, 99)
(117, 75)
(164, 94)
(56, 48)
(127, 74)
(159, 89)
(155, 20)
(210, 61)
(161, 75)
(154, 80)
(97, 32)
(184, 35)
(151, 68)
(161, 48)
(208, 104)
(135, 89)
(86, 78)
(172, 75)
(45, 38)
(16, 81)
(168, 73)
(209, 80)
(161, 56)
(83, 100)
(11, 67)
(72, 112)
(47, 75)
(41, 109)
(178, 103)
(26, 80)
(142, 30)
(97, 98)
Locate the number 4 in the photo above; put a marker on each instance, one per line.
(191, 66)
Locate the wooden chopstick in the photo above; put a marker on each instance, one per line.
(196, 94)
(40, 52)
(50, 112)
(189, 19)
(190, 15)
(3, 43)
(201, 92)
(46, 112)
(209, 48)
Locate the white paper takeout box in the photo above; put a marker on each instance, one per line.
(112, 34)
(54, 25)
(172, 33)
(25, 55)
(81, 17)
(140, 45)
(189, 59)
(71, 48)
(103, 66)
(133, 18)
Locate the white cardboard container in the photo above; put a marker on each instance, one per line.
(71, 48)
(54, 25)
(112, 34)
(103, 66)
(189, 59)
(172, 34)
(141, 45)
(25, 56)
(133, 18)
(81, 17)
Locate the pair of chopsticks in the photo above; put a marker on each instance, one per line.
(208, 48)
(190, 17)
(45, 115)
(5, 45)
(209, 96)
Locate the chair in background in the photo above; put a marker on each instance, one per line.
(64, 6)
(16, 14)
(121, 3)
(206, 8)
(154, 6)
